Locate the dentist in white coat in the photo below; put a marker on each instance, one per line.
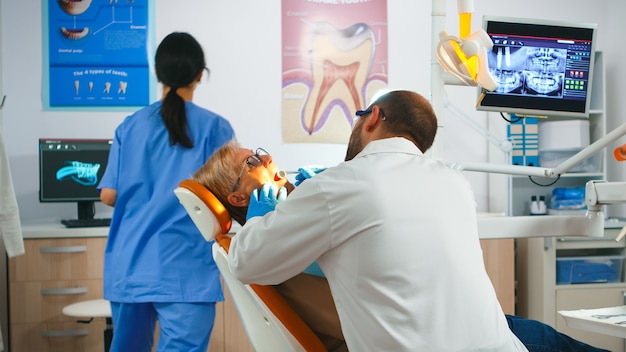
(403, 275)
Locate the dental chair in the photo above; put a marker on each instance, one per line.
(270, 323)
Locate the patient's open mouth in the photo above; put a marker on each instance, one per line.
(280, 174)
(74, 7)
(74, 34)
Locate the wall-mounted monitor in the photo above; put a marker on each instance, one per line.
(70, 170)
(543, 68)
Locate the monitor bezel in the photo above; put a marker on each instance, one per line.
(537, 106)
(43, 141)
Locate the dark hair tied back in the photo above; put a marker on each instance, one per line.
(179, 60)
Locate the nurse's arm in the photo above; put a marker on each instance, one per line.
(107, 196)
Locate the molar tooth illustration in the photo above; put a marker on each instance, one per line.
(107, 87)
(340, 61)
(122, 88)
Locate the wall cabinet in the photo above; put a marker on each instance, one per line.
(539, 296)
(522, 188)
(52, 274)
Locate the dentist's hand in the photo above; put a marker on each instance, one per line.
(266, 200)
(307, 172)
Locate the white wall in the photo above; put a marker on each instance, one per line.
(4, 323)
(242, 43)
(616, 90)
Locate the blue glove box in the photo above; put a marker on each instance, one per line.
(591, 269)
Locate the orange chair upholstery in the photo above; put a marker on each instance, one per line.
(270, 323)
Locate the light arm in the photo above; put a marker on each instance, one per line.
(555, 172)
(597, 194)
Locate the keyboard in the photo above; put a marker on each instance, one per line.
(97, 222)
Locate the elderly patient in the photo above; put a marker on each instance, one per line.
(232, 174)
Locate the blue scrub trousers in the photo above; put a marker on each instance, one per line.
(182, 326)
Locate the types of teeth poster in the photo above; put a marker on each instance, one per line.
(334, 60)
(98, 53)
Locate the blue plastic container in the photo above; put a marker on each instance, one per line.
(592, 269)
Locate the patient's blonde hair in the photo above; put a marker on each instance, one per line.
(219, 175)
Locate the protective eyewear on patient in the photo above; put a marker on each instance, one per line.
(252, 161)
(360, 113)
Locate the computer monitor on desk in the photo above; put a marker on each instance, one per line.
(70, 170)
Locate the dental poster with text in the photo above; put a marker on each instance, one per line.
(334, 60)
(98, 53)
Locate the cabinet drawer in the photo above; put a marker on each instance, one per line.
(33, 302)
(59, 259)
(61, 336)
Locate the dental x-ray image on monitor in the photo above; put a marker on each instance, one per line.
(70, 170)
(542, 68)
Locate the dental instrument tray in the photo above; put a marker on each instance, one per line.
(608, 321)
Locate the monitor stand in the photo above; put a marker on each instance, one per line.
(86, 209)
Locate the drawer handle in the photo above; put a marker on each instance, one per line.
(64, 333)
(64, 291)
(64, 249)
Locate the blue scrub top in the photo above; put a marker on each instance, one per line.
(154, 252)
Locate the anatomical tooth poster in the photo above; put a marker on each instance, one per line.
(98, 53)
(334, 60)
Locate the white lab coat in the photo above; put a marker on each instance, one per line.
(395, 233)
(10, 226)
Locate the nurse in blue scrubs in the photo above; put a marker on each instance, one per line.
(157, 266)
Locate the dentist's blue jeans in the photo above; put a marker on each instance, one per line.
(540, 337)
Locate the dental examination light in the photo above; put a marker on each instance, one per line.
(465, 57)
(461, 57)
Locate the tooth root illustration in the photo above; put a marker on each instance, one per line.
(107, 87)
(332, 74)
(340, 64)
(74, 34)
(76, 85)
(90, 86)
(122, 88)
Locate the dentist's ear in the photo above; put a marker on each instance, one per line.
(372, 120)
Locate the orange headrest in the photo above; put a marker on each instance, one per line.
(213, 204)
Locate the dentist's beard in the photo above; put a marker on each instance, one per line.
(355, 145)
